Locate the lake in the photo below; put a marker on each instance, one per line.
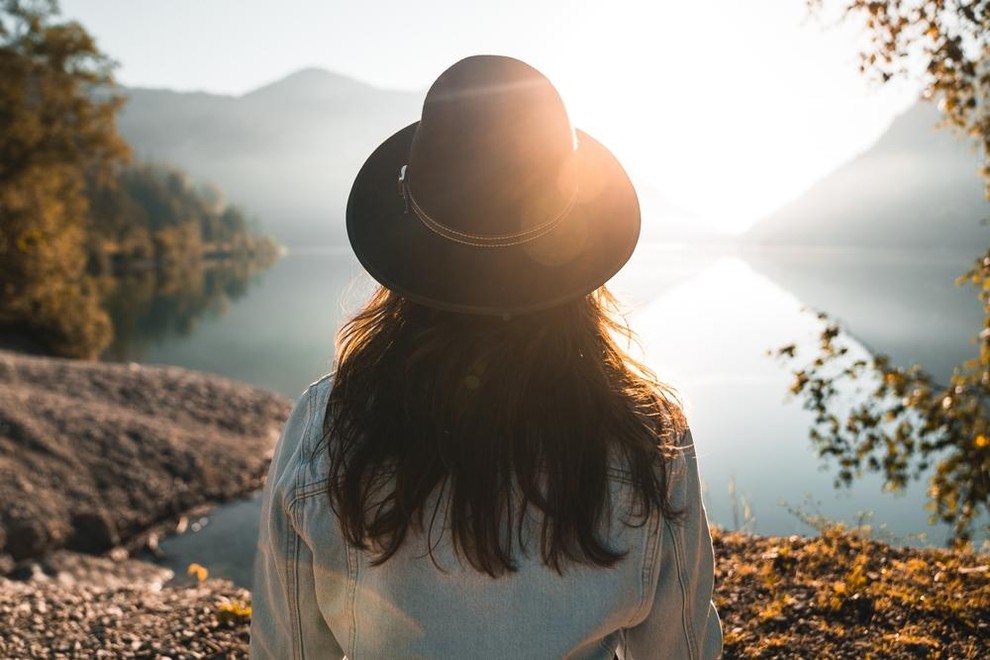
(707, 319)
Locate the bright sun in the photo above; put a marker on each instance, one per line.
(728, 129)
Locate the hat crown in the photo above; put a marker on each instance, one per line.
(502, 207)
(493, 153)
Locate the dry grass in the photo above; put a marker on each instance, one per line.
(842, 594)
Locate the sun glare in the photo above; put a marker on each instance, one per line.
(728, 124)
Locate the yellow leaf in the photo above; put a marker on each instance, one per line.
(199, 571)
(235, 608)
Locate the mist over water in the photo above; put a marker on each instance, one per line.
(706, 318)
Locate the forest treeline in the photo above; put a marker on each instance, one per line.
(74, 211)
(152, 215)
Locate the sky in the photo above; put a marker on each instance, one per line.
(727, 109)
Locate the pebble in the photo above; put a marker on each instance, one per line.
(86, 620)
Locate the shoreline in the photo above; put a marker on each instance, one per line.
(93, 436)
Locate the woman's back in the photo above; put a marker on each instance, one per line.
(330, 599)
(487, 473)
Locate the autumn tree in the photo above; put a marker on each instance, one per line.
(57, 126)
(904, 422)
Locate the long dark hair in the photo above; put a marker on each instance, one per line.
(501, 414)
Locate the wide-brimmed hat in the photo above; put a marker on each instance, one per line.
(492, 203)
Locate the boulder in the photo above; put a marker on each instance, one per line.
(92, 454)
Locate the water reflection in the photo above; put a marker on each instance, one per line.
(151, 306)
(903, 304)
(707, 320)
(279, 336)
(709, 336)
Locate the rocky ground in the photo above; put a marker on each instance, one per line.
(93, 454)
(843, 595)
(836, 596)
(78, 606)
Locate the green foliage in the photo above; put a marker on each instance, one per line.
(153, 212)
(52, 135)
(905, 421)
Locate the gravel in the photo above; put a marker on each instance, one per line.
(77, 606)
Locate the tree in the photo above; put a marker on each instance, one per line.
(57, 126)
(156, 210)
(907, 421)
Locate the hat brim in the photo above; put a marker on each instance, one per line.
(581, 253)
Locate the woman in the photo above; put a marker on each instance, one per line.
(486, 474)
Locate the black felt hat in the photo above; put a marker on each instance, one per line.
(492, 203)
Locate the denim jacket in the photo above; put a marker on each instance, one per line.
(317, 597)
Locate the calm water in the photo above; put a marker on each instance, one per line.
(706, 320)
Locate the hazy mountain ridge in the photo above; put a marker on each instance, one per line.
(286, 151)
(289, 150)
(916, 187)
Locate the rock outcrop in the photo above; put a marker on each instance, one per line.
(91, 454)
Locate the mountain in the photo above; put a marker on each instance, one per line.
(917, 187)
(287, 152)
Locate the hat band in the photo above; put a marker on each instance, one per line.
(477, 240)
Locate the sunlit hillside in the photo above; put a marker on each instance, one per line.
(917, 187)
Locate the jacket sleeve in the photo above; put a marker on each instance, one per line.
(682, 622)
(285, 620)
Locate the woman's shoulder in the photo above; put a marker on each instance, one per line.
(314, 402)
(298, 446)
(310, 407)
(319, 391)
